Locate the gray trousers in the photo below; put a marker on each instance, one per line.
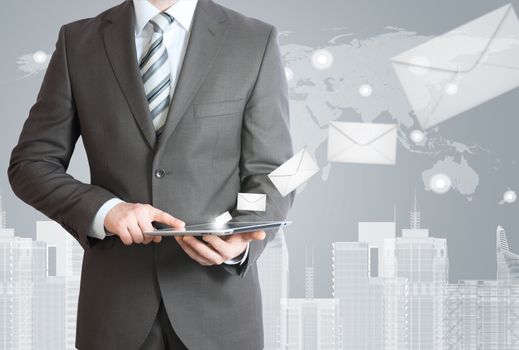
(162, 335)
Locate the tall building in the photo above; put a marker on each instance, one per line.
(22, 264)
(360, 297)
(49, 314)
(309, 274)
(507, 262)
(368, 301)
(351, 288)
(273, 276)
(455, 330)
(476, 316)
(312, 323)
(508, 277)
(485, 314)
(375, 313)
(3, 215)
(396, 314)
(64, 260)
(513, 317)
(374, 233)
(423, 262)
(39, 287)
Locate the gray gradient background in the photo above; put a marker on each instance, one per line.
(325, 211)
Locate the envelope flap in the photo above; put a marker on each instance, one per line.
(460, 49)
(290, 167)
(363, 133)
(301, 161)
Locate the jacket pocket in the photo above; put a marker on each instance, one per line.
(218, 108)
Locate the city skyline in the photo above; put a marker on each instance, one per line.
(393, 292)
(389, 292)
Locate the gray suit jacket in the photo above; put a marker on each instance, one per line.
(228, 127)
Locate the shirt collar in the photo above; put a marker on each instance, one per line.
(182, 11)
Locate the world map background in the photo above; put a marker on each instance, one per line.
(478, 148)
(475, 149)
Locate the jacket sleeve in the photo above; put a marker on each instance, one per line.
(266, 144)
(38, 163)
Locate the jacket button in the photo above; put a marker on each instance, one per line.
(159, 173)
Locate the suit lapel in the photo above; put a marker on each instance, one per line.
(119, 41)
(208, 30)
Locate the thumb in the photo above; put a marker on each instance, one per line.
(256, 235)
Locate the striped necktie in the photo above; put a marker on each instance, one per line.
(155, 71)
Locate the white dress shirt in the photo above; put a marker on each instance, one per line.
(175, 39)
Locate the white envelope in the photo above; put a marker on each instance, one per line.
(223, 218)
(294, 172)
(362, 143)
(252, 201)
(463, 68)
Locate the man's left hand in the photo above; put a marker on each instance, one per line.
(217, 249)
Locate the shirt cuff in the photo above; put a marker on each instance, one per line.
(237, 259)
(98, 227)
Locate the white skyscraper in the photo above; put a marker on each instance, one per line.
(311, 323)
(360, 297)
(374, 233)
(507, 262)
(49, 314)
(351, 288)
(423, 262)
(513, 317)
(3, 215)
(64, 259)
(477, 315)
(454, 319)
(309, 274)
(273, 276)
(22, 263)
(508, 277)
(388, 296)
(485, 314)
(396, 314)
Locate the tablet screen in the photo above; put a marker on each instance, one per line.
(222, 228)
(227, 225)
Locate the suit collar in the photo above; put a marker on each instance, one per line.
(182, 11)
(119, 12)
(208, 32)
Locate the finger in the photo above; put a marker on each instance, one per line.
(136, 232)
(145, 226)
(147, 238)
(165, 218)
(204, 250)
(222, 247)
(125, 236)
(192, 253)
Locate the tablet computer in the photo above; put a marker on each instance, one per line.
(222, 229)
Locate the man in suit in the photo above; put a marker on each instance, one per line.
(181, 105)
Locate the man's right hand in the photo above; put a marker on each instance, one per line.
(130, 220)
